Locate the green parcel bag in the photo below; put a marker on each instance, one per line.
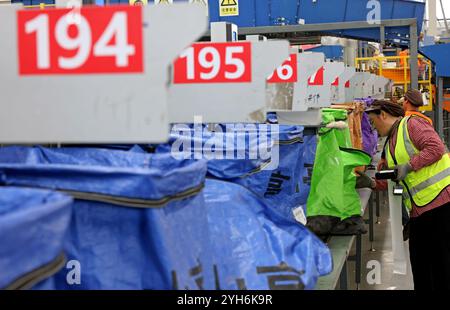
(334, 205)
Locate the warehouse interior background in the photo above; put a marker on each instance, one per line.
(215, 144)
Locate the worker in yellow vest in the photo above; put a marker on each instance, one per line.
(416, 151)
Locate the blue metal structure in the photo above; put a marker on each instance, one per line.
(334, 52)
(126, 1)
(254, 13)
(438, 54)
(97, 2)
(33, 2)
(291, 12)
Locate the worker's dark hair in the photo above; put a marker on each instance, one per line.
(389, 107)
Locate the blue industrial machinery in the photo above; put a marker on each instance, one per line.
(33, 2)
(264, 13)
(438, 54)
(97, 2)
(334, 52)
(400, 21)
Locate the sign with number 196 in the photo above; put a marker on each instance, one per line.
(86, 40)
(286, 73)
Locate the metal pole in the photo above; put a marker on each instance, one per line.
(382, 38)
(414, 70)
(443, 15)
(378, 207)
(343, 277)
(447, 133)
(432, 23)
(371, 237)
(435, 107)
(360, 49)
(439, 108)
(358, 261)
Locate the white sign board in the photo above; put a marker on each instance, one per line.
(280, 85)
(308, 64)
(319, 94)
(380, 85)
(338, 91)
(369, 86)
(361, 91)
(68, 105)
(157, 2)
(225, 101)
(68, 3)
(311, 117)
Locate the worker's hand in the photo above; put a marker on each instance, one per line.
(382, 165)
(402, 171)
(364, 181)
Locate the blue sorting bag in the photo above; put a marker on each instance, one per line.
(255, 247)
(262, 157)
(33, 227)
(306, 164)
(139, 220)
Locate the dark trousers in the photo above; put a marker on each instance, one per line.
(429, 249)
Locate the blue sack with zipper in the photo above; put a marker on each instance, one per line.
(255, 247)
(306, 164)
(262, 157)
(138, 222)
(33, 227)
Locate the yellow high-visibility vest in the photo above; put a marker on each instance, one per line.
(424, 185)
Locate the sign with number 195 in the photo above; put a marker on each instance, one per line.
(80, 41)
(229, 62)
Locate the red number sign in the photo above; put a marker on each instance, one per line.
(317, 78)
(286, 73)
(214, 63)
(78, 41)
(336, 82)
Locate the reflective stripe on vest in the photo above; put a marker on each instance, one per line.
(410, 149)
(425, 184)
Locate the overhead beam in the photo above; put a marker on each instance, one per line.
(326, 26)
(432, 16)
(413, 56)
(382, 38)
(438, 110)
(445, 18)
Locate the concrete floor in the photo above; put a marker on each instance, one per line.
(383, 254)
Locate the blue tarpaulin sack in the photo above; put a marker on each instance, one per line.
(278, 187)
(33, 226)
(139, 220)
(256, 248)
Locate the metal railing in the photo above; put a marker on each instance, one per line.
(396, 68)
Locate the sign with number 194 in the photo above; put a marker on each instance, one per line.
(86, 40)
